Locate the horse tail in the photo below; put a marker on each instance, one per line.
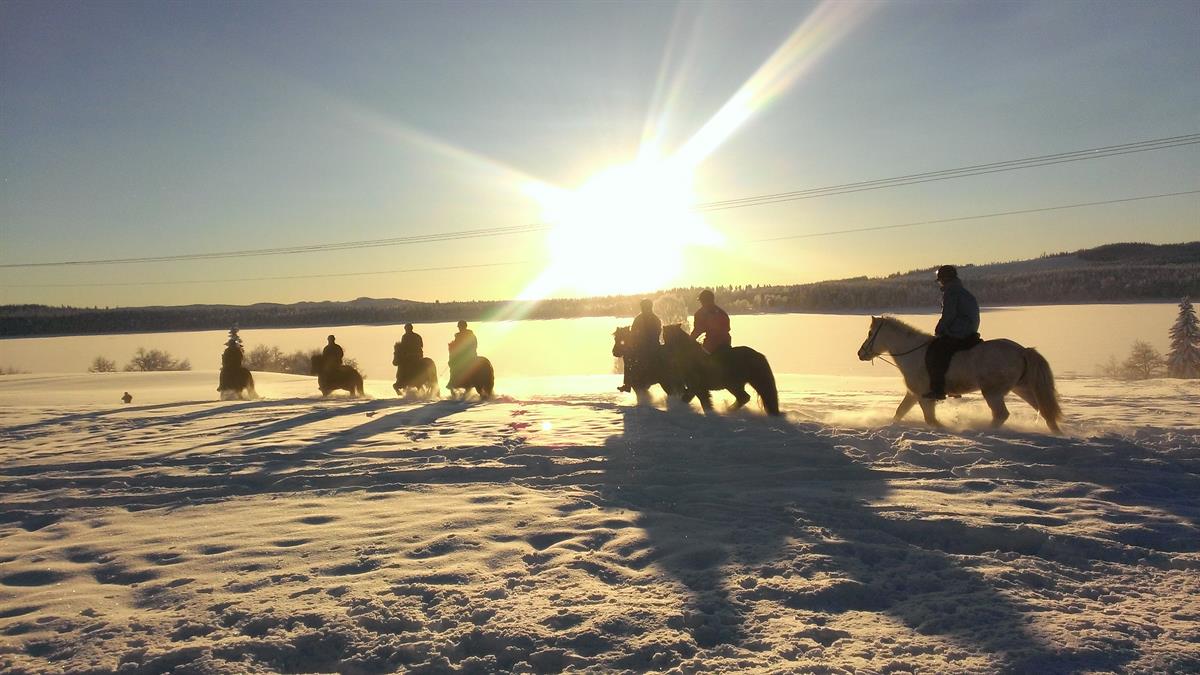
(763, 381)
(487, 377)
(1040, 379)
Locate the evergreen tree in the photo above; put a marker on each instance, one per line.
(234, 340)
(1184, 358)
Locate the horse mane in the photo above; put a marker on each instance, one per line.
(904, 327)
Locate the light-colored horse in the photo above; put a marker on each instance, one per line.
(993, 367)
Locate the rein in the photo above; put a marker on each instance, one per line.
(881, 357)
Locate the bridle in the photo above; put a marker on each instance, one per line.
(870, 347)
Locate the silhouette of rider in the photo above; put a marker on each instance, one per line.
(408, 353)
(332, 354)
(713, 322)
(956, 330)
(231, 358)
(463, 350)
(644, 337)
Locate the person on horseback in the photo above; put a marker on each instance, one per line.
(957, 330)
(408, 353)
(332, 354)
(644, 333)
(464, 349)
(713, 322)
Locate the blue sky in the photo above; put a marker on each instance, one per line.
(132, 129)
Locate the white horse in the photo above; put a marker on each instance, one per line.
(993, 367)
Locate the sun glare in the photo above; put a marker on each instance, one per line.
(624, 230)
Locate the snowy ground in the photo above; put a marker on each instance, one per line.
(563, 528)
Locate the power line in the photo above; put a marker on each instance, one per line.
(311, 248)
(897, 181)
(961, 172)
(827, 233)
(981, 216)
(279, 278)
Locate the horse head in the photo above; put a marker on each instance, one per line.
(621, 338)
(674, 336)
(317, 362)
(868, 350)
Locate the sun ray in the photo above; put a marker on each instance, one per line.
(820, 31)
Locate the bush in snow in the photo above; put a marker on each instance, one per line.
(155, 360)
(102, 365)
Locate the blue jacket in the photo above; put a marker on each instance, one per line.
(960, 312)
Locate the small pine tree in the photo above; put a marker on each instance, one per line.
(234, 339)
(1184, 358)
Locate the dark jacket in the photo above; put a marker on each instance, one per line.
(409, 349)
(463, 350)
(960, 312)
(714, 323)
(646, 331)
(333, 354)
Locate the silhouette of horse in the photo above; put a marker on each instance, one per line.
(236, 383)
(476, 374)
(339, 377)
(732, 369)
(643, 373)
(423, 377)
(994, 367)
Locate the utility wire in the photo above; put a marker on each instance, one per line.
(897, 181)
(339, 246)
(960, 172)
(827, 233)
(981, 216)
(299, 276)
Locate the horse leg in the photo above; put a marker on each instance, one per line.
(741, 397)
(905, 405)
(995, 401)
(927, 409)
(705, 397)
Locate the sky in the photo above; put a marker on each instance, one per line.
(160, 129)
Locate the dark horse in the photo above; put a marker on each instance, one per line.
(236, 382)
(701, 372)
(423, 377)
(477, 374)
(339, 377)
(643, 373)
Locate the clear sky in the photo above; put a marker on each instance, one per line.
(131, 129)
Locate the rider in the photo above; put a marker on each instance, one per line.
(958, 329)
(332, 354)
(463, 350)
(713, 322)
(644, 341)
(408, 353)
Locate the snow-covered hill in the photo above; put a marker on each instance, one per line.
(562, 527)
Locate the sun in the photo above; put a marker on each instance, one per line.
(625, 230)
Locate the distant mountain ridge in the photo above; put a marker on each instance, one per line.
(1124, 272)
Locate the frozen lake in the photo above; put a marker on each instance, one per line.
(1074, 338)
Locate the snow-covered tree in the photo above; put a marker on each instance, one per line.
(234, 340)
(1184, 358)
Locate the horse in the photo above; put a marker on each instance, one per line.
(701, 372)
(476, 374)
(993, 367)
(339, 377)
(236, 382)
(641, 374)
(423, 377)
